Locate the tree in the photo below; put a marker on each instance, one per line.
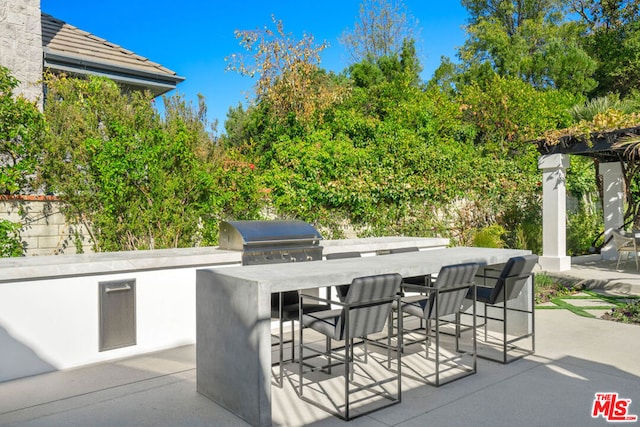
(380, 30)
(512, 15)
(237, 126)
(606, 14)
(403, 68)
(290, 80)
(527, 39)
(613, 41)
(409, 62)
(447, 76)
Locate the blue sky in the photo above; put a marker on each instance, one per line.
(193, 37)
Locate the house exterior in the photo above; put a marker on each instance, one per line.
(21, 44)
(32, 42)
(75, 52)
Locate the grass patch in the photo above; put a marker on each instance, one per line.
(564, 302)
(548, 289)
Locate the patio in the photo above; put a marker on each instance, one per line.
(575, 358)
(602, 274)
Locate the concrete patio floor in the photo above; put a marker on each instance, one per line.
(575, 358)
(599, 274)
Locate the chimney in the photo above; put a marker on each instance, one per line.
(21, 45)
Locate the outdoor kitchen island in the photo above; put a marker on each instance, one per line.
(233, 316)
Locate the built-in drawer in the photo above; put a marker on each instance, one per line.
(117, 314)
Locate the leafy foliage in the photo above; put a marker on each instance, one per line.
(594, 106)
(290, 81)
(628, 313)
(507, 111)
(135, 181)
(513, 14)
(21, 127)
(582, 231)
(616, 53)
(395, 158)
(372, 150)
(527, 40)
(548, 288)
(489, 237)
(10, 243)
(602, 122)
(612, 40)
(606, 14)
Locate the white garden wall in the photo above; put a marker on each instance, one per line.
(49, 305)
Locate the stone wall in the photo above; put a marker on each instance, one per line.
(45, 229)
(21, 45)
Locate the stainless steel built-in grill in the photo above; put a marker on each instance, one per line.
(271, 242)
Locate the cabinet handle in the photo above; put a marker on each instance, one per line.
(119, 289)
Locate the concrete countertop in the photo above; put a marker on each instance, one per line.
(288, 276)
(39, 267)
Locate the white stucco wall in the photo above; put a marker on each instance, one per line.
(49, 305)
(54, 323)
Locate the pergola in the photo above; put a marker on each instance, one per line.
(554, 162)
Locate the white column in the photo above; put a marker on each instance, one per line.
(613, 203)
(554, 212)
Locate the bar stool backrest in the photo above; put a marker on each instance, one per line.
(451, 288)
(369, 302)
(513, 278)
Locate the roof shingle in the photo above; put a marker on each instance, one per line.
(64, 40)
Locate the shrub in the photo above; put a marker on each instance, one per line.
(137, 180)
(582, 230)
(490, 237)
(546, 288)
(21, 127)
(628, 313)
(10, 243)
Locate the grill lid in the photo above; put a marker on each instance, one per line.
(238, 235)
